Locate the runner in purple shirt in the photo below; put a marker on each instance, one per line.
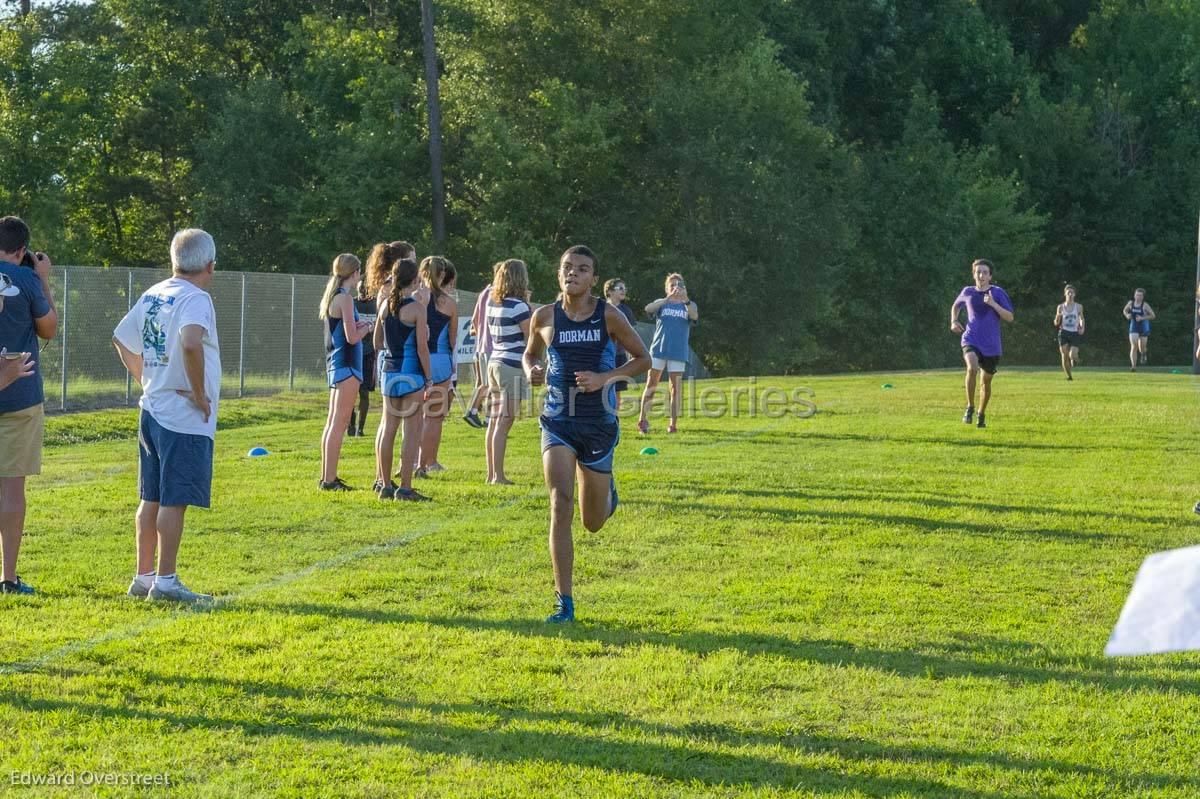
(986, 306)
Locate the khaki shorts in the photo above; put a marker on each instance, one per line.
(509, 381)
(21, 442)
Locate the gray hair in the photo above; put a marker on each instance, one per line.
(192, 250)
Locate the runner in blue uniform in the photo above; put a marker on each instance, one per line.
(578, 335)
(1139, 313)
(343, 355)
(402, 337)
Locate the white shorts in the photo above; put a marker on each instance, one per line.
(672, 367)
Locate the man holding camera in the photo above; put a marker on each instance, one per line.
(27, 314)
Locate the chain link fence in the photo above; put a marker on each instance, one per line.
(267, 324)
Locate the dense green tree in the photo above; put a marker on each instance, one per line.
(822, 173)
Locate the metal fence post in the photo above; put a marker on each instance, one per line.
(292, 340)
(242, 343)
(65, 326)
(128, 376)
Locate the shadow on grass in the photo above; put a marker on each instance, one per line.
(939, 526)
(986, 657)
(990, 442)
(503, 732)
(883, 494)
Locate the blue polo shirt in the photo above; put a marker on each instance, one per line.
(24, 301)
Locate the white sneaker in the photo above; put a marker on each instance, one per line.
(138, 589)
(176, 592)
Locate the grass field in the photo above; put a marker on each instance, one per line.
(875, 601)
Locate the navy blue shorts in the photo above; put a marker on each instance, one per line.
(173, 468)
(593, 442)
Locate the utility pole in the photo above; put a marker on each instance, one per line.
(1196, 317)
(435, 127)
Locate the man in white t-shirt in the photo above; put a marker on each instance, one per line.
(168, 342)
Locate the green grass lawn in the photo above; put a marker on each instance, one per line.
(874, 601)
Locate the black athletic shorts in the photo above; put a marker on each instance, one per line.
(988, 363)
(1069, 338)
(370, 364)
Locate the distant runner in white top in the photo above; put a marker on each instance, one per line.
(1068, 318)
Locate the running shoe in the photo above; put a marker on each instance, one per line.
(473, 419)
(671, 429)
(643, 427)
(175, 592)
(564, 610)
(337, 485)
(435, 467)
(422, 472)
(138, 589)
(1196, 509)
(981, 423)
(967, 416)
(409, 495)
(17, 586)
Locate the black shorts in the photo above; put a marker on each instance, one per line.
(594, 441)
(988, 363)
(369, 373)
(1069, 338)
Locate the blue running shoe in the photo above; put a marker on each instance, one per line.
(612, 487)
(17, 586)
(564, 610)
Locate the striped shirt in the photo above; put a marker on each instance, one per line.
(504, 329)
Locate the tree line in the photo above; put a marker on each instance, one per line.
(821, 173)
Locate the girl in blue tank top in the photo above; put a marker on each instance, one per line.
(442, 320)
(343, 355)
(674, 316)
(402, 335)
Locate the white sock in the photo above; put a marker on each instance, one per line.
(146, 579)
(167, 579)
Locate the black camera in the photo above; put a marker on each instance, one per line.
(29, 260)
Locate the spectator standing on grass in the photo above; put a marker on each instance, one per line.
(28, 314)
(168, 342)
(614, 294)
(483, 349)
(508, 316)
(367, 310)
(344, 333)
(670, 349)
(443, 330)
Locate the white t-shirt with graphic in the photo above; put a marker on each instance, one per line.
(152, 329)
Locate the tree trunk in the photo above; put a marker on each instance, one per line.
(435, 127)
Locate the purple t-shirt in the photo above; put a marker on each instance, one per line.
(983, 323)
